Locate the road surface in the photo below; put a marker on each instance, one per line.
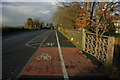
(15, 53)
(44, 54)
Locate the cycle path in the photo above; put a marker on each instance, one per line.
(58, 59)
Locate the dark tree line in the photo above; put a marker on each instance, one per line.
(34, 23)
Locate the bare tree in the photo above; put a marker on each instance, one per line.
(66, 14)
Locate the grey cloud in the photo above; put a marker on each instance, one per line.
(31, 0)
(16, 13)
(0, 14)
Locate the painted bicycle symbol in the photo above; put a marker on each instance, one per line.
(44, 56)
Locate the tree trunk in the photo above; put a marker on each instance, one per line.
(89, 8)
(85, 6)
(93, 6)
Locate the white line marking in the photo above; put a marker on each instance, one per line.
(32, 40)
(32, 56)
(27, 44)
(44, 57)
(65, 74)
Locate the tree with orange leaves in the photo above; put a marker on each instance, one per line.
(83, 19)
(102, 13)
(103, 18)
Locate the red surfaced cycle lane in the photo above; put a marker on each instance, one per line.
(42, 66)
(50, 65)
(77, 64)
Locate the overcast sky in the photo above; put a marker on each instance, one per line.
(16, 13)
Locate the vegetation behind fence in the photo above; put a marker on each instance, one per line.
(73, 35)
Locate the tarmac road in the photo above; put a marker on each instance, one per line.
(15, 53)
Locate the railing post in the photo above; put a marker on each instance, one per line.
(83, 39)
(110, 50)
